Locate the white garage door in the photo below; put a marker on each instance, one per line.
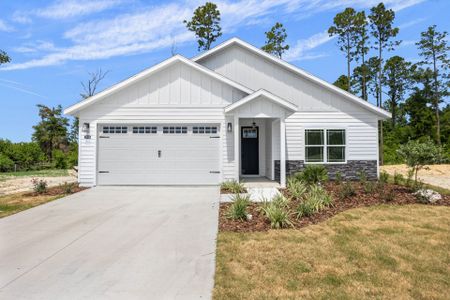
(158, 154)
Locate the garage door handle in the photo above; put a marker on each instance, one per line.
(214, 172)
(159, 153)
(103, 172)
(214, 137)
(104, 137)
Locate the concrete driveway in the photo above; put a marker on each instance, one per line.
(113, 243)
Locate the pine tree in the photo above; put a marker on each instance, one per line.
(434, 48)
(205, 23)
(275, 40)
(345, 29)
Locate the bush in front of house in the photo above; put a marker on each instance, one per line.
(313, 174)
(238, 209)
(398, 178)
(316, 200)
(232, 187)
(296, 188)
(346, 190)
(277, 211)
(39, 185)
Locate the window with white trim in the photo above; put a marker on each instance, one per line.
(114, 129)
(204, 129)
(174, 129)
(324, 145)
(145, 129)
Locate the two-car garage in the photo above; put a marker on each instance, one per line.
(158, 154)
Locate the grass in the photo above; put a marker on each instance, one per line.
(40, 173)
(14, 203)
(380, 252)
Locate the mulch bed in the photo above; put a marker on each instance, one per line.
(57, 191)
(259, 222)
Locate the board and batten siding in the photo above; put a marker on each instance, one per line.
(317, 106)
(176, 95)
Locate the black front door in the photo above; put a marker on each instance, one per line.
(249, 150)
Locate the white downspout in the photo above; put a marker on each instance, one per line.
(282, 152)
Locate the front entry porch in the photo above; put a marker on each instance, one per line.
(257, 124)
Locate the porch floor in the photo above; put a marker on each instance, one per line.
(259, 182)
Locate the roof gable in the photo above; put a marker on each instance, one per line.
(303, 74)
(261, 93)
(148, 72)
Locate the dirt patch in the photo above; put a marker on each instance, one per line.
(438, 175)
(23, 184)
(13, 203)
(402, 196)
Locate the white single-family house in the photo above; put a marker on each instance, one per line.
(231, 112)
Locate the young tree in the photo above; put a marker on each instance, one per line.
(51, 132)
(381, 24)
(362, 48)
(372, 66)
(275, 40)
(417, 154)
(345, 29)
(205, 23)
(397, 78)
(433, 48)
(4, 58)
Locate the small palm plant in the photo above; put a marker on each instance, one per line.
(238, 209)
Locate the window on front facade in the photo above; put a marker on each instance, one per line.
(324, 145)
(145, 129)
(204, 130)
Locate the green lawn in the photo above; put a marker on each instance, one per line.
(40, 173)
(381, 252)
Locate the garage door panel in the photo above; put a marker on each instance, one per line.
(133, 159)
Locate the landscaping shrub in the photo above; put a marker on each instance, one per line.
(6, 164)
(384, 177)
(39, 185)
(232, 186)
(67, 188)
(338, 178)
(278, 215)
(346, 191)
(369, 187)
(238, 209)
(387, 195)
(313, 174)
(362, 177)
(305, 209)
(398, 178)
(296, 188)
(316, 200)
(409, 181)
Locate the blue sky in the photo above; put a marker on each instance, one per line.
(54, 44)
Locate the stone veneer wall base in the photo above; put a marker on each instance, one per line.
(349, 171)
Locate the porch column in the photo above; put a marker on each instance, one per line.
(282, 152)
(236, 146)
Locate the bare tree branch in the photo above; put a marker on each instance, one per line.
(90, 87)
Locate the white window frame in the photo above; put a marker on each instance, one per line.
(325, 146)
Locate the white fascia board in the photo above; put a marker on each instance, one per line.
(383, 114)
(71, 110)
(283, 103)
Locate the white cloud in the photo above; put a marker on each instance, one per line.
(300, 50)
(5, 27)
(62, 9)
(36, 47)
(159, 26)
(411, 23)
(21, 18)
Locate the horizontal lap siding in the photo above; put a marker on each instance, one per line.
(361, 130)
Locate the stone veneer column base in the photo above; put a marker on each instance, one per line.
(349, 171)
